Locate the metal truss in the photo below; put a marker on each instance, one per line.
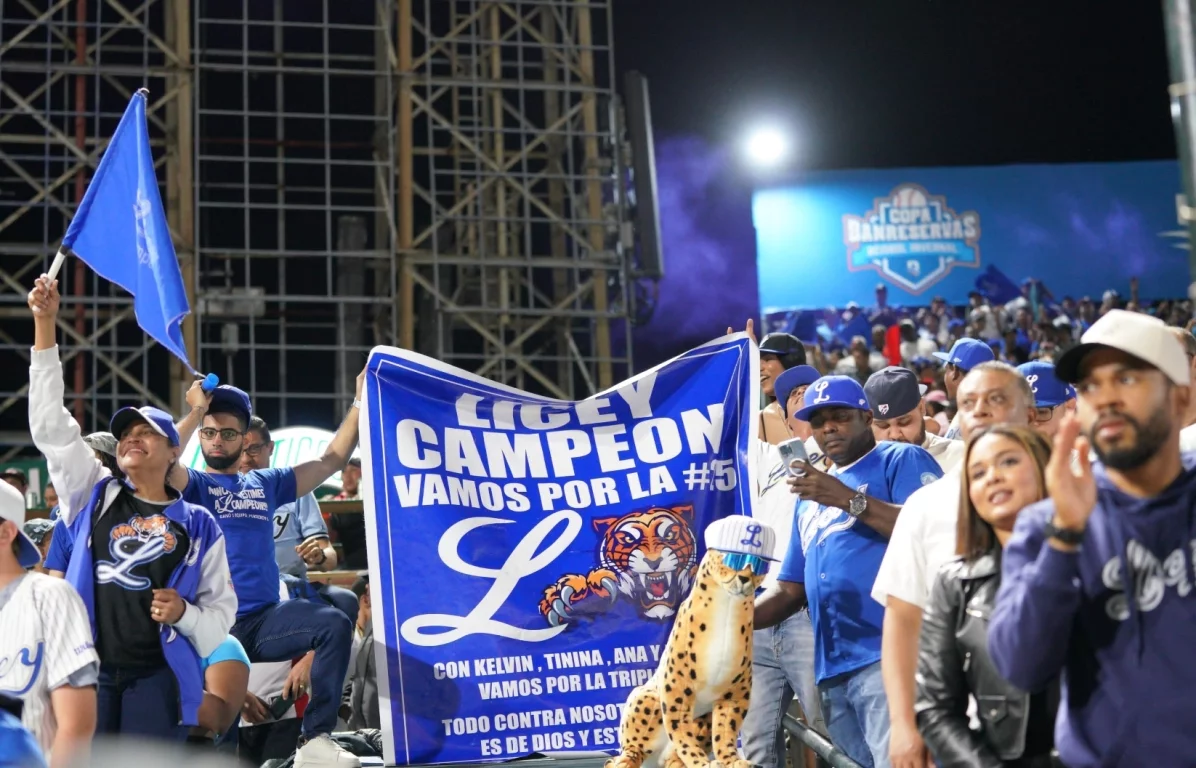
(507, 165)
(435, 174)
(67, 71)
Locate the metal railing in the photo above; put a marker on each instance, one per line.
(828, 753)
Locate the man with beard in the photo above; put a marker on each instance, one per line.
(923, 540)
(839, 536)
(244, 504)
(898, 415)
(1096, 580)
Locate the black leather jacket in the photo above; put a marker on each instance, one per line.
(953, 662)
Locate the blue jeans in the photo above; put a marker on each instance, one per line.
(290, 629)
(338, 597)
(782, 666)
(139, 702)
(857, 715)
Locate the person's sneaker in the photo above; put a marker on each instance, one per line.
(322, 752)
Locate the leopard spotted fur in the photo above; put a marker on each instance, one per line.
(695, 702)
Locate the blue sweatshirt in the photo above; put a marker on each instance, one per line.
(1128, 676)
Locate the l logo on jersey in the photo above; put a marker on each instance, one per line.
(11, 668)
(138, 542)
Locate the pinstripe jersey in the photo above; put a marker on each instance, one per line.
(46, 639)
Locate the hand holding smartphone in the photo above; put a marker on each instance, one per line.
(793, 453)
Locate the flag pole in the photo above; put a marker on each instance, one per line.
(59, 258)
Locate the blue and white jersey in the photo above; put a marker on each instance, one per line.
(293, 524)
(837, 557)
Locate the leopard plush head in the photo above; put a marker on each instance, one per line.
(739, 583)
(653, 552)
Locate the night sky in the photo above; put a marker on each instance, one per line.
(868, 84)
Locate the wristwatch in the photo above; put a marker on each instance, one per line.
(1068, 536)
(858, 505)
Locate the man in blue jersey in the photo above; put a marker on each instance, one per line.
(244, 504)
(1096, 581)
(840, 533)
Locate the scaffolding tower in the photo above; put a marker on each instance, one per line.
(440, 175)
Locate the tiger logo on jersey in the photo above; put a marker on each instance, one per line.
(138, 542)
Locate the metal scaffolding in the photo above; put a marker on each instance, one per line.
(436, 174)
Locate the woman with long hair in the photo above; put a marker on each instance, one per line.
(1002, 473)
(150, 567)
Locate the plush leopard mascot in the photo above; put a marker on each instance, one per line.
(695, 702)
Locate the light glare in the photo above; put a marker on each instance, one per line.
(767, 147)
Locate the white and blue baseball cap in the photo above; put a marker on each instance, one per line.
(12, 509)
(159, 421)
(1048, 390)
(742, 535)
(832, 392)
(966, 354)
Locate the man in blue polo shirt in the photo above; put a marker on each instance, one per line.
(244, 504)
(1052, 398)
(965, 355)
(841, 530)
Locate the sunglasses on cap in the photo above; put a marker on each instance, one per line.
(737, 562)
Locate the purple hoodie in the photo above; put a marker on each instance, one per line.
(1128, 672)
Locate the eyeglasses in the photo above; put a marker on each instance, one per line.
(227, 435)
(254, 450)
(1044, 414)
(737, 562)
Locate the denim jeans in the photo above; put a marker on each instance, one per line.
(288, 630)
(337, 597)
(856, 711)
(782, 666)
(139, 702)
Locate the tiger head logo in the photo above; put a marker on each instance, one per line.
(648, 558)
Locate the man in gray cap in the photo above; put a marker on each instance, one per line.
(898, 415)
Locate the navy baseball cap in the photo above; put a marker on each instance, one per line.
(791, 379)
(832, 392)
(967, 354)
(228, 399)
(159, 421)
(893, 392)
(1048, 390)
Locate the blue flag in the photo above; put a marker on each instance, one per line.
(858, 326)
(527, 556)
(120, 231)
(996, 286)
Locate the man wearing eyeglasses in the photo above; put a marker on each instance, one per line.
(244, 504)
(1052, 398)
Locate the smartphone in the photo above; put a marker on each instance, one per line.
(279, 706)
(793, 453)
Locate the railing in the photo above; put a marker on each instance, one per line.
(827, 752)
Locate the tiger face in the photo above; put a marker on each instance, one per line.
(654, 554)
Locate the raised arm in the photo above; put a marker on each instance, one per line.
(198, 401)
(310, 475)
(72, 464)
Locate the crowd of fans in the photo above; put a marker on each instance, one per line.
(984, 515)
(986, 534)
(174, 605)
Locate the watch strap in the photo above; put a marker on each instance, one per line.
(1067, 536)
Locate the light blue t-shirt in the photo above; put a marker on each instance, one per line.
(244, 506)
(837, 557)
(230, 650)
(293, 524)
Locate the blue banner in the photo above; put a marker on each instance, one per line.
(922, 232)
(527, 555)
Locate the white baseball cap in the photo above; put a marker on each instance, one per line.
(1136, 334)
(742, 535)
(12, 509)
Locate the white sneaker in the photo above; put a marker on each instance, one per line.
(322, 752)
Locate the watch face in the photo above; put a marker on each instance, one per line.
(858, 505)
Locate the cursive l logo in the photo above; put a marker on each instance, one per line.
(523, 561)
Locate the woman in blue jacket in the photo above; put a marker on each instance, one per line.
(150, 567)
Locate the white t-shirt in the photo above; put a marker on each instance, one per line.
(923, 541)
(775, 506)
(1187, 438)
(948, 453)
(45, 642)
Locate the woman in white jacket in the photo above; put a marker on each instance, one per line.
(151, 568)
